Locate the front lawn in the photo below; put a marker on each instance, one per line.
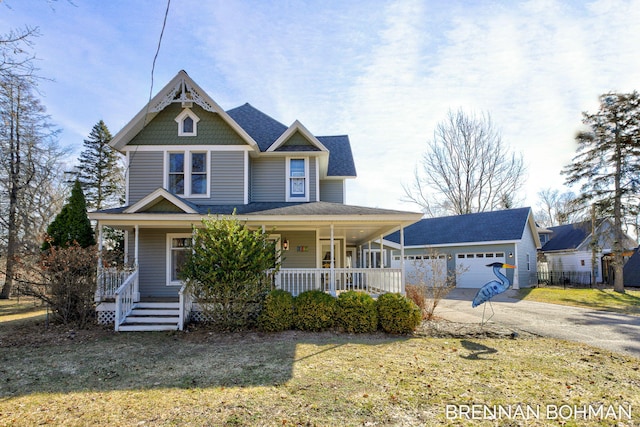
(97, 377)
(597, 299)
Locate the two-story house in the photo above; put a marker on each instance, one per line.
(187, 158)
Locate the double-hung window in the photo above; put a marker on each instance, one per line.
(297, 179)
(178, 246)
(187, 173)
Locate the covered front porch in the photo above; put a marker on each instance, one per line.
(333, 248)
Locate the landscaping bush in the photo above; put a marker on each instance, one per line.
(277, 314)
(397, 314)
(356, 312)
(314, 311)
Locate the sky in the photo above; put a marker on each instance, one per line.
(383, 72)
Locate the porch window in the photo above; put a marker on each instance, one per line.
(178, 247)
(187, 174)
(298, 180)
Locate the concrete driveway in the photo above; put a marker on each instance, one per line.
(611, 331)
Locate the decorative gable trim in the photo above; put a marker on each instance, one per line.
(180, 89)
(297, 127)
(157, 196)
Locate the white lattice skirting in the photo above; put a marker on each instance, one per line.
(106, 317)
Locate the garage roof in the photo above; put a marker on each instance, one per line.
(506, 225)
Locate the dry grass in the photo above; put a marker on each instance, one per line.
(98, 377)
(597, 299)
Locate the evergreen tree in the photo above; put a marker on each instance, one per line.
(99, 171)
(608, 163)
(72, 223)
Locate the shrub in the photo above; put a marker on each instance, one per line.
(356, 312)
(226, 269)
(314, 311)
(397, 314)
(277, 314)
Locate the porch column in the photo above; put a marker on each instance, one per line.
(136, 284)
(402, 289)
(381, 253)
(136, 249)
(369, 247)
(332, 271)
(126, 247)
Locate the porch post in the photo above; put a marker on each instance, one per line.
(99, 287)
(402, 289)
(381, 253)
(332, 265)
(126, 247)
(136, 284)
(369, 247)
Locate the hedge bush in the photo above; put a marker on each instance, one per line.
(277, 314)
(356, 312)
(314, 311)
(397, 314)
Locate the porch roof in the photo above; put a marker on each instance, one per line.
(356, 224)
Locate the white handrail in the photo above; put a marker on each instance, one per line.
(374, 281)
(126, 297)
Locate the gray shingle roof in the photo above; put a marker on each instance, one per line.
(569, 236)
(279, 208)
(340, 155)
(265, 130)
(504, 225)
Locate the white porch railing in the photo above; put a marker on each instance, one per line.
(126, 295)
(109, 280)
(374, 281)
(186, 304)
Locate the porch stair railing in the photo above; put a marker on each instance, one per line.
(126, 296)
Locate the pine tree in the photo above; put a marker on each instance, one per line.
(72, 223)
(608, 163)
(99, 171)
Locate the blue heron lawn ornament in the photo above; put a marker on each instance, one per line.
(492, 288)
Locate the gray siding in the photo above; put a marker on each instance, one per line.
(313, 174)
(332, 191)
(152, 262)
(268, 180)
(145, 173)
(527, 277)
(303, 259)
(227, 177)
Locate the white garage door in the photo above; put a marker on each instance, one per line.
(420, 269)
(476, 271)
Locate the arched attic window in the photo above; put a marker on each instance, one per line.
(187, 123)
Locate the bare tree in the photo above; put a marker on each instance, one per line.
(15, 58)
(27, 152)
(556, 208)
(466, 169)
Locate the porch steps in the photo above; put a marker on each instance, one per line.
(153, 316)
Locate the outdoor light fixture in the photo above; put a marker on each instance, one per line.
(285, 245)
(510, 254)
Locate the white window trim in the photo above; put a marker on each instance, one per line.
(187, 172)
(187, 113)
(171, 236)
(289, 197)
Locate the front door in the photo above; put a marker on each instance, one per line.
(326, 254)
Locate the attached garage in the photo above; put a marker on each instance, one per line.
(422, 268)
(473, 241)
(476, 273)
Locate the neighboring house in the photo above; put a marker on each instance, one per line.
(631, 271)
(465, 244)
(569, 254)
(188, 158)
